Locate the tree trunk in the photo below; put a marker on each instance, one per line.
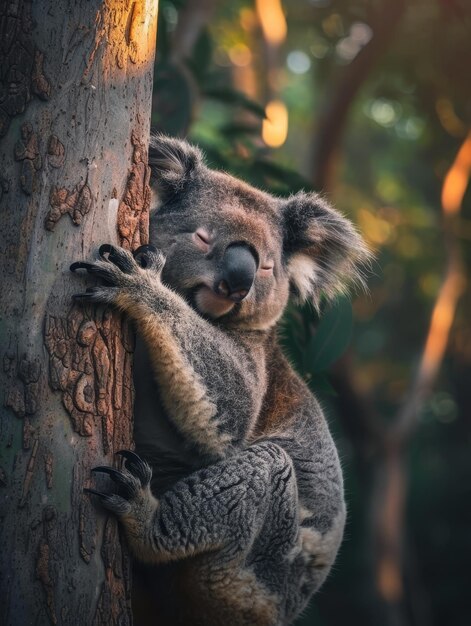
(75, 98)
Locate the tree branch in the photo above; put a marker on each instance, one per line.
(332, 120)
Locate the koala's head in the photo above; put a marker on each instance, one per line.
(236, 253)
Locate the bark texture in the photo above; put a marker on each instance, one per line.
(75, 99)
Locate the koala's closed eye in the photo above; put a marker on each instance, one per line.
(202, 239)
(266, 269)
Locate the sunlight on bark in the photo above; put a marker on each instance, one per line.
(453, 190)
(457, 178)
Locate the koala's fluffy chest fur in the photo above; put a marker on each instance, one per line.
(246, 511)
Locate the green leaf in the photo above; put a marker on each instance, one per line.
(293, 337)
(331, 338)
(321, 385)
(288, 179)
(201, 57)
(172, 109)
(232, 96)
(234, 129)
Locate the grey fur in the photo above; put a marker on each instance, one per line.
(247, 487)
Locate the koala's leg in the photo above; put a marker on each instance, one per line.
(211, 386)
(220, 508)
(243, 505)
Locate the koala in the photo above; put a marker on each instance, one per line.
(236, 495)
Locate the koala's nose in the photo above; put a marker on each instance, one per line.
(238, 272)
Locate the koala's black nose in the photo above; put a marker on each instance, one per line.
(239, 266)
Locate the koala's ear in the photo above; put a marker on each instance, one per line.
(324, 252)
(173, 163)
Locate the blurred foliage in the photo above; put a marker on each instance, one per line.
(314, 342)
(404, 128)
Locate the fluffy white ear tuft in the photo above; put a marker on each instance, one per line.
(302, 274)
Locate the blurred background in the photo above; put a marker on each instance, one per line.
(370, 102)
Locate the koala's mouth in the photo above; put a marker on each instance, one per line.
(210, 303)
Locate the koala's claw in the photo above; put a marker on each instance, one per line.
(95, 294)
(144, 255)
(120, 272)
(105, 248)
(147, 247)
(81, 265)
(94, 492)
(128, 483)
(118, 256)
(132, 484)
(114, 473)
(147, 256)
(83, 297)
(112, 502)
(136, 466)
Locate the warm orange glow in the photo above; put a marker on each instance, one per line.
(142, 29)
(248, 19)
(454, 187)
(389, 580)
(129, 30)
(442, 319)
(456, 181)
(272, 20)
(240, 55)
(275, 126)
(376, 229)
(448, 118)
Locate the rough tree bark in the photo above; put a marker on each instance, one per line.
(75, 98)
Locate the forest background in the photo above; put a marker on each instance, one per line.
(370, 102)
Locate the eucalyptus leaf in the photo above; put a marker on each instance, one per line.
(293, 337)
(232, 96)
(331, 338)
(321, 385)
(200, 61)
(234, 129)
(285, 177)
(172, 110)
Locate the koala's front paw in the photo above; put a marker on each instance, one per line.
(121, 271)
(133, 500)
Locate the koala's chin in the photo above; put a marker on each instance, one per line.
(212, 305)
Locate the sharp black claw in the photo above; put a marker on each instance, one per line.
(81, 265)
(117, 256)
(136, 466)
(130, 456)
(78, 265)
(147, 247)
(105, 248)
(115, 474)
(141, 252)
(94, 492)
(83, 296)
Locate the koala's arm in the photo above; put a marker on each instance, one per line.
(211, 386)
